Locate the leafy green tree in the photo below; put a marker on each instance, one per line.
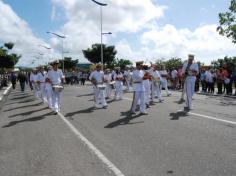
(94, 54)
(8, 60)
(9, 45)
(69, 63)
(122, 63)
(227, 62)
(227, 22)
(173, 63)
(170, 64)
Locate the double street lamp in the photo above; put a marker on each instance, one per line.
(62, 52)
(102, 33)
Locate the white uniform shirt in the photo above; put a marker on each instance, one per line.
(127, 74)
(163, 72)
(33, 77)
(193, 67)
(98, 76)
(55, 76)
(156, 74)
(107, 77)
(41, 77)
(137, 78)
(119, 75)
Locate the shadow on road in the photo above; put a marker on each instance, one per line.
(83, 111)
(32, 119)
(85, 95)
(21, 97)
(180, 101)
(228, 103)
(26, 106)
(124, 121)
(25, 101)
(179, 114)
(28, 113)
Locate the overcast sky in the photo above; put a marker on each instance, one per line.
(141, 29)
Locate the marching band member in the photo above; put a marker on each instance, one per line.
(107, 80)
(48, 88)
(164, 82)
(33, 80)
(190, 71)
(97, 78)
(41, 81)
(147, 86)
(118, 77)
(156, 82)
(127, 77)
(56, 78)
(139, 89)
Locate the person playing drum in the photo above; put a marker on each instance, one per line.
(97, 79)
(56, 78)
(118, 77)
(108, 82)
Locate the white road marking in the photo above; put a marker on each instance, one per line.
(5, 92)
(93, 149)
(200, 115)
(128, 99)
(212, 118)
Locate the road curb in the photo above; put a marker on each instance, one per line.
(215, 95)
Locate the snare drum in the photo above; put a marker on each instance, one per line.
(57, 88)
(37, 86)
(101, 87)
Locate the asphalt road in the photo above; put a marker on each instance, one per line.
(168, 141)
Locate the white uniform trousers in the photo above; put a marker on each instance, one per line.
(164, 84)
(118, 91)
(156, 90)
(43, 94)
(147, 91)
(128, 84)
(35, 91)
(139, 96)
(56, 101)
(48, 91)
(99, 97)
(108, 90)
(189, 88)
(184, 91)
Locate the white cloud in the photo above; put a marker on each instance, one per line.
(83, 20)
(54, 13)
(122, 18)
(204, 41)
(14, 29)
(132, 17)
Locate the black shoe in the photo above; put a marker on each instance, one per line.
(131, 112)
(143, 113)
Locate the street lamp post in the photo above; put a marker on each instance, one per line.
(62, 52)
(101, 5)
(48, 48)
